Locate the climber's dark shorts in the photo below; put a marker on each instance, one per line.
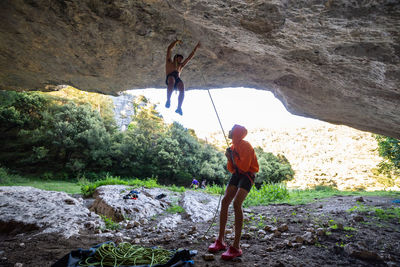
(241, 181)
(174, 74)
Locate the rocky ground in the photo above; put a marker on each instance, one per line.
(328, 232)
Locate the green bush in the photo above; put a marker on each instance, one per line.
(6, 178)
(273, 169)
(266, 194)
(389, 149)
(110, 224)
(179, 189)
(215, 189)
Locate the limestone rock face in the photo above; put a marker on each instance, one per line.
(26, 209)
(200, 206)
(335, 60)
(110, 202)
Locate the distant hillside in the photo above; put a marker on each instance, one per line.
(325, 154)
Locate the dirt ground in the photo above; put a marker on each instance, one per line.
(324, 233)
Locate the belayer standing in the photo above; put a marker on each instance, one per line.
(243, 169)
(173, 68)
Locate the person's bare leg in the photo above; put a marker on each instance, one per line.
(230, 193)
(237, 205)
(170, 89)
(181, 96)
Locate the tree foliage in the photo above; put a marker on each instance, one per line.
(389, 149)
(56, 135)
(74, 136)
(273, 169)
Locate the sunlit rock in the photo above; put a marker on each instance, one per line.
(110, 202)
(26, 209)
(201, 207)
(333, 60)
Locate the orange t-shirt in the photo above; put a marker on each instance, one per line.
(245, 158)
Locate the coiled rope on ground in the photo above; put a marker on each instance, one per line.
(110, 254)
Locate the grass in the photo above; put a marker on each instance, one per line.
(381, 213)
(215, 189)
(7, 179)
(61, 186)
(297, 197)
(109, 223)
(88, 188)
(178, 189)
(266, 194)
(175, 209)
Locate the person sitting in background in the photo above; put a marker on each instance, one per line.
(203, 184)
(195, 184)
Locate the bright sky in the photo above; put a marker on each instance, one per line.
(251, 108)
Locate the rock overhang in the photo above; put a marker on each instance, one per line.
(336, 61)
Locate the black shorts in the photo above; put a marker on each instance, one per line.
(241, 181)
(174, 74)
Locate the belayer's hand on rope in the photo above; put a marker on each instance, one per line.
(230, 154)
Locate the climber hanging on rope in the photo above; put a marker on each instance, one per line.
(243, 164)
(173, 68)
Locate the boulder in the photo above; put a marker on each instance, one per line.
(200, 207)
(27, 209)
(110, 202)
(170, 222)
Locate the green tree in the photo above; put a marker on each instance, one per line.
(273, 169)
(166, 160)
(389, 149)
(190, 149)
(103, 104)
(137, 148)
(75, 138)
(18, 112)
(146, 118)
(21, 110)
(213, 165)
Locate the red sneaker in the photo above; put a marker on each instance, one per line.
(216, 246)
(231, 253)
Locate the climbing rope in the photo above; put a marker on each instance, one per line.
(227, 143)
(216, 112)
(125, 253)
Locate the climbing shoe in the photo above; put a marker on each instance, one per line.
(216, 246)
(179, 111)
(231, 253)
(167, 104)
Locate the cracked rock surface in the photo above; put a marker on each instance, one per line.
(335, 60)
(27, 209)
